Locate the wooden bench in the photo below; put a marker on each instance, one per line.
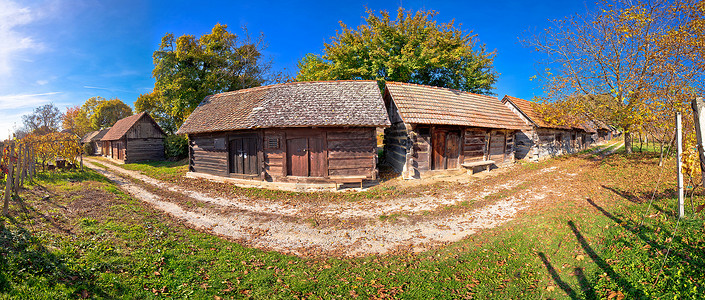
(340, 180)
(486, 163)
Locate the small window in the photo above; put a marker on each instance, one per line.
(273, 143)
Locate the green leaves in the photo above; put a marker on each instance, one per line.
(413, 48)
(187, 69)
(108, 112)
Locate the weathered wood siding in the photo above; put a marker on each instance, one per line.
(396, 144)
(332, 153)
(144, 149)
(344, 152)
(209, 153)
(476, 144)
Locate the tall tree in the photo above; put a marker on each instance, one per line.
(187, 69)
(413, 48)
(43, 120)
(75, 120)
(108, 112)
(621, 51)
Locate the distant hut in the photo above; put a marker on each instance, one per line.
(438, 129)
(299, 132)
(133, 139)
(93, 139)
(540, 140)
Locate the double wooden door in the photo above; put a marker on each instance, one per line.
(243, 156)
(446, 149)
(305, 157)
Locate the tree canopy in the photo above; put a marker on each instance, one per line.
(623, 62)
(413, 48)
(187, 69)
(44, 119)
(108, 112)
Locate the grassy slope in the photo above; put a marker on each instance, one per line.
(90, 239)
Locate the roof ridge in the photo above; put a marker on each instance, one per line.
(267, 87)
(439, 88)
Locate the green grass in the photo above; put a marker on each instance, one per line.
(588, 243)
(162, 170)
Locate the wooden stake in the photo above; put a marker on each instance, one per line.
(698, 106)
(8, 181)
(679, 144)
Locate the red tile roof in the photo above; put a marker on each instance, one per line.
(94, 136)
(123, 125)
(527, 108)
(422, 104)
(295, 104)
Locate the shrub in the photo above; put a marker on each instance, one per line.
(176, 146)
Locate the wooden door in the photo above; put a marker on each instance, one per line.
(438, 143)
(297, 157)
(452, 150)
(243, 156)
(305, 157)
(446, 150)
(317, 164)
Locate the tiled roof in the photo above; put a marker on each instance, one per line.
(421, 104)
(527, 108)
(296, 104)
(94, 136)
(89, 136)
(123, 125)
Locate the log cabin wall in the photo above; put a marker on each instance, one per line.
(208, 153)
(477, 144)
(330, 154)
(143, 142)
(344, 152)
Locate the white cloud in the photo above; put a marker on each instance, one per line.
(13, 42)
(42, 82)
(19, 101)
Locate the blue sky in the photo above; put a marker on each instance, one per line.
(65, 52)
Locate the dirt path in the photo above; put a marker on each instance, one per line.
(421, 222)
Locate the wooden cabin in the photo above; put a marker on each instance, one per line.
(439, 129)
(540, 140)
(299, 132)
(93, 139)
(134, 139)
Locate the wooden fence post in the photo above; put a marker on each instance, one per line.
(698, 106)
(679, 142)
(8, 181)
(18, 170)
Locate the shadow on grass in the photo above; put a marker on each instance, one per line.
(641, 198)
(630, 290)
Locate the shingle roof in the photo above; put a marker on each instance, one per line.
(89, 136)
(123, 125)
(527, 108)
(421, 104)
(296, 104)
(94, 136)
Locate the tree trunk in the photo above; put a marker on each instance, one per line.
(628, 141)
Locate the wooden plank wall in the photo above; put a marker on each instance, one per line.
(421, 149)
(524, 144)
(274, 155)
(207, 155)
(143, 129)
(474, 145)
(352, 152)
(396, 140)
(348, 152)
(144, 149)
